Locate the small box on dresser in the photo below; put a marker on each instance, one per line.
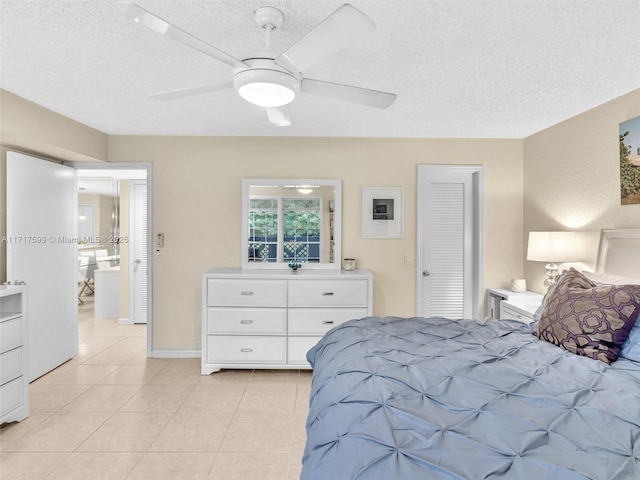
(14, 384)
(271, 318)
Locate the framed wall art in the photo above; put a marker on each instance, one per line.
(382, 212)
(630, 162)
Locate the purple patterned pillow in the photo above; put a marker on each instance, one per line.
(587, 319)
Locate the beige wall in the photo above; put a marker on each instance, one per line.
(572, 180)
(197, 205)
(197, 200)
(29, 128)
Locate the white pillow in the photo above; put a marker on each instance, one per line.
(610, 279)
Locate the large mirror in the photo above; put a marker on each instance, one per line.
(288, 221)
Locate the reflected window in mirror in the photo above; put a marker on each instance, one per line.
(285, 229)
(291, 221)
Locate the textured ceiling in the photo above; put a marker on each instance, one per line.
(480, 69)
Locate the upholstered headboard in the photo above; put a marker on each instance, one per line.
(619, 252)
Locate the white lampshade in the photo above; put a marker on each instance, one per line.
(552, 247)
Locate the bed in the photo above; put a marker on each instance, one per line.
(430, 398)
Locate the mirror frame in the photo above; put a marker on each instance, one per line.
(337, 222)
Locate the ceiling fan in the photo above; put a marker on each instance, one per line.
(266, 78)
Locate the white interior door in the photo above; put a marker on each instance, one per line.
(42, 213)
(449, 242)
(138, 233)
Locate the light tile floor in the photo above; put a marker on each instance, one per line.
(112, 413)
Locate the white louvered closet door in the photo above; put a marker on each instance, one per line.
(140, 260)
(447, 244)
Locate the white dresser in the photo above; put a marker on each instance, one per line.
(14, 384)
(271, 318)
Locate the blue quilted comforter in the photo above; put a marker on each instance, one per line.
(429, 398)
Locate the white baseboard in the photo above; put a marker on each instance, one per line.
(162, 353)
(124, 321)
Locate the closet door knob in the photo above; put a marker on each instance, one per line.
(426, 273)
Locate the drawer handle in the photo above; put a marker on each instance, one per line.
(246, 350)
(246, 322)
(327, 322)
(327, 294)
(246, 292)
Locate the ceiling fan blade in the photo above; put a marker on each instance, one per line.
(278, 116)
(158, 25)
(347, 93)
(187, 92)
(334, 33)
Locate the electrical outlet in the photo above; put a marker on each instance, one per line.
(159, 252)
(195, 330)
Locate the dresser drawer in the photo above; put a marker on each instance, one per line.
(246, 349)
(298, 348)
(10, 334)
(521, 313)
(10, 365)
(12, 395)
(264, 293)
(328, 293)
(318, 321)
(247, 321)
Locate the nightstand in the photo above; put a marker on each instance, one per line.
(523, 312)
(505, 304)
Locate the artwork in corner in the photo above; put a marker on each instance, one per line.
(630, 161)
(382, 213)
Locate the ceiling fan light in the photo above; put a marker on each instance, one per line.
(266, 94)
(266, 88)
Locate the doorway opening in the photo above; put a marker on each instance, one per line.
(114, 249)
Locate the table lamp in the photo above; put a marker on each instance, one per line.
(552, 247)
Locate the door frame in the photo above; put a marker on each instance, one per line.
(148, 166)
(477, 172)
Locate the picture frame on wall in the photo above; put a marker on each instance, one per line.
(382, 212)
(630, 161)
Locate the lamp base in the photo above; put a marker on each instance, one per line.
(551, 271)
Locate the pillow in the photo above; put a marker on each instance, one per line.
(545, 299)
(587, 319)
(605, 278)
(631, 346)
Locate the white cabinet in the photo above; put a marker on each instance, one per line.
(14, 383)
(271, 318)
(524, 304)
(107, 292)
(507, 305)
(522, 311)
